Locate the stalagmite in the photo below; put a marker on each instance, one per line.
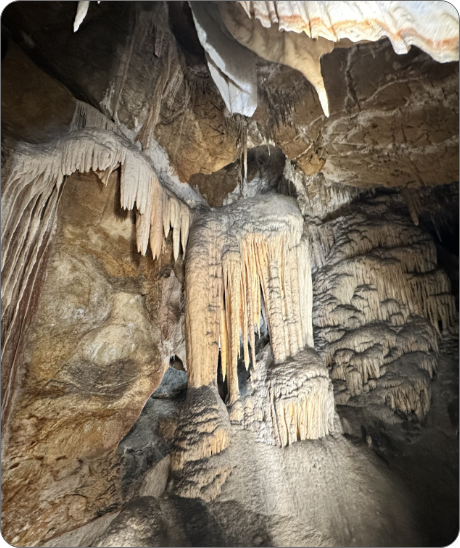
(203, 432)
(290, 401)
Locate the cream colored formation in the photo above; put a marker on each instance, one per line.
(289, 401)
(433, 28)
(298, 34)
(243, 258)
(381, 304)
(247, 260)
(41, 167)
(203, 432)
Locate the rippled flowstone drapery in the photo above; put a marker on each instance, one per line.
(380, 305)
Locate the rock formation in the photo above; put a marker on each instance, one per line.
(230, 274)
(384, 302)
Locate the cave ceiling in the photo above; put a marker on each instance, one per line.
(394, 114)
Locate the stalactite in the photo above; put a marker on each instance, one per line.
(86, 116)
(30, 196)
(380, 301)
(432, 28)
(26, 241)
(127, 60)
(170, 80)
(295, 49)
(102, 152)
(414, 205)
(82, 10)
(243, 259)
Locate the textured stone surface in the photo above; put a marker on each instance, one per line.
(89, 361)
(380, 303)
(34, 105)
(394, 115)
(147, 446)
(105, 62)
(90, 455)
(140, 524)
(261, 503)
(83, 536)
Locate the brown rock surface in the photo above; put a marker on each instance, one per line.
(396, 115)
(115, 62)
(34, 105)
(393, 115)
(89, 361)
(102, 323)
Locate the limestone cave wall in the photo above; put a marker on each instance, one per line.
(229, 275)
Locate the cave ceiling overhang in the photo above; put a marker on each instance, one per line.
(383, 72)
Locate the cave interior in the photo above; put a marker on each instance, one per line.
(230, 287)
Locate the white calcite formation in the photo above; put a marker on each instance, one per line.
(231, 65)
(82, 10)
(30, 195)
(380, 306)
(289, 401)
(239, 257)
(431, 27)
(87, 117)
(298, 34)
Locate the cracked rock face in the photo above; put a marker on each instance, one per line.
(396, 115)
(93, 357)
